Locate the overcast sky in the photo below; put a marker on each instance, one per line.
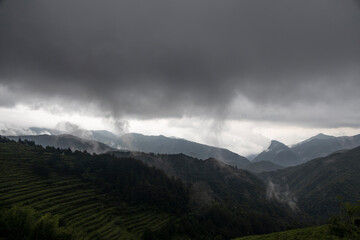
(229, 73)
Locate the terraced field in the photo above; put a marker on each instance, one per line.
(80, 206)
(310, 233)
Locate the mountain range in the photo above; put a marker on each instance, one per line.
(142, 143)
(278, 153)
(318, 146)
(116, 196)
(311, 188)
(315, 185)
(274, 198)
(65, 141)
(277, 156)
(211, 179)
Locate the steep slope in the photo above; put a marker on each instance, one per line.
(156, 144)
(212, 180)
(66, 141)
(316, 184)
(102, 136)
(279, 154)
(49, 181)
(166, 145)
(106, 197)
(320, 136)
(310, 233)
(262, 166)
(106, 137)
(322, 145)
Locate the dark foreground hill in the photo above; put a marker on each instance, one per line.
(105, 197)
(315, 185)
(310, 233)
(211, 180)
(97, 197)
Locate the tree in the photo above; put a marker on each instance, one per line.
(344, 225)
(24, 223)
(17, 223)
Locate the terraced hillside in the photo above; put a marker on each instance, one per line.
(311, 233)
(81, 206)
(108, 197)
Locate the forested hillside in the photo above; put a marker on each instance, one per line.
(316, 184)
(92, 200)
(105, 197)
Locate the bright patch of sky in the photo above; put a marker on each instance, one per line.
(243, 137)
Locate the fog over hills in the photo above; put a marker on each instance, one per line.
(141, 143)
(242, 71)
(151, 108)
(316, 184)
(162, 144)
(66, 141)
(317, 146)
(322, 145)
(279, 154)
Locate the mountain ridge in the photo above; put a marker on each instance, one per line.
(157, 144)
(65, 141)
(317, 146)
(279, 154)
(316, 184)
(122, 181)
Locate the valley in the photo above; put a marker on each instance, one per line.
(73, 186)
(179, 120)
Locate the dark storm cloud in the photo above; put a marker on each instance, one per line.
(358, 2)
(169, 58)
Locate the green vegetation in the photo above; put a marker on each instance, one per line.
(311, 233)
(334, 175)
(227, 201)
(342, 226)
(347, 223)
(80, 205)
(22, 223)
(106, 197)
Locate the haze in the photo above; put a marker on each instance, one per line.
(234, 74)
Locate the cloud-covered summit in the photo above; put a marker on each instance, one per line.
(280, 60)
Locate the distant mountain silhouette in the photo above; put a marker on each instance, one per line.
(162, 144)
(66, 141)
(155, 144)
(279, 154)
(320, 145)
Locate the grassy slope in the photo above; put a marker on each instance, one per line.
(311, 233)
(78, 204)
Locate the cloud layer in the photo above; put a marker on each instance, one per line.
(295, 61)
